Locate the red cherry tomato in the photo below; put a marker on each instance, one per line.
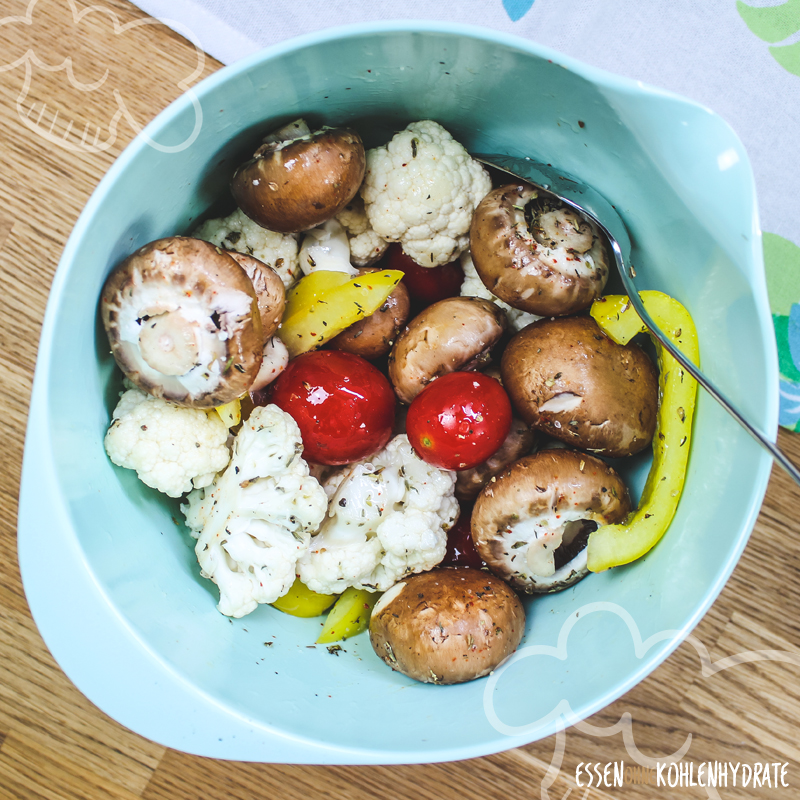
(461, 550)
(459, 420)
(343, 405)
(426, 284)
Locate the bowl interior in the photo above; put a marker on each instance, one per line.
(683, 185)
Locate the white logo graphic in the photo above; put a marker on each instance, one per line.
(563, 715)
(51, 125)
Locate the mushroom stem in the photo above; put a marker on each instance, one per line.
(288, 133)
(276, 357)
(168, 343)
(553, 541)
(540, 553)
(563, 228)
(326, 247)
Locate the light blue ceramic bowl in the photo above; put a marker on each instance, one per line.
(109, 570)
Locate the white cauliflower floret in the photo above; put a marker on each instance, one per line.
(366, 247)
(388, 517)
(473, 286)
(256, 519)
(421, 189)
(172, 448)
(322, 472)
(238, 232)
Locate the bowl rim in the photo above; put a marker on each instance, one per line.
(44, 584)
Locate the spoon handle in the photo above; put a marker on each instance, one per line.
(695, 372)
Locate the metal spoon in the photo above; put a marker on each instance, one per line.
(591, 203)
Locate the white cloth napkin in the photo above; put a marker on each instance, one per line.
(742, 61)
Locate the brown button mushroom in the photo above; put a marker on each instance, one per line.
(298, 179)
(518, 443)
(536, 253)
(269, 290)
(183, 322)
(531, 524)
(447, 626)
(374, 336)
(454, 334)
(568, 379)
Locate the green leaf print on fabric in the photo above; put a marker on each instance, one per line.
(786, 365)
(774, 24)
(782, 266)
(788, 57)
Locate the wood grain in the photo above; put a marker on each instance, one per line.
(55, 744)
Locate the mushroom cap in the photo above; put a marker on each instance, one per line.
(554, 266)
(269, 288)
(454, 334)
(293, 186)
(568, 379)
(531, 524)
(519, 442)
(182, 321)
(373, 336)
(447, 625)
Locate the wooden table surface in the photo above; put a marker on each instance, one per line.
(55, 744)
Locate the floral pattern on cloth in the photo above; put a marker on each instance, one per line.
(517, 9)
(782, 262)
(776, 24)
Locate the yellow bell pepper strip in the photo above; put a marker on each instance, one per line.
(230, 413)
(612, 545)
(324, 303)
(300, 601)
(349, 616)
(310, 288)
